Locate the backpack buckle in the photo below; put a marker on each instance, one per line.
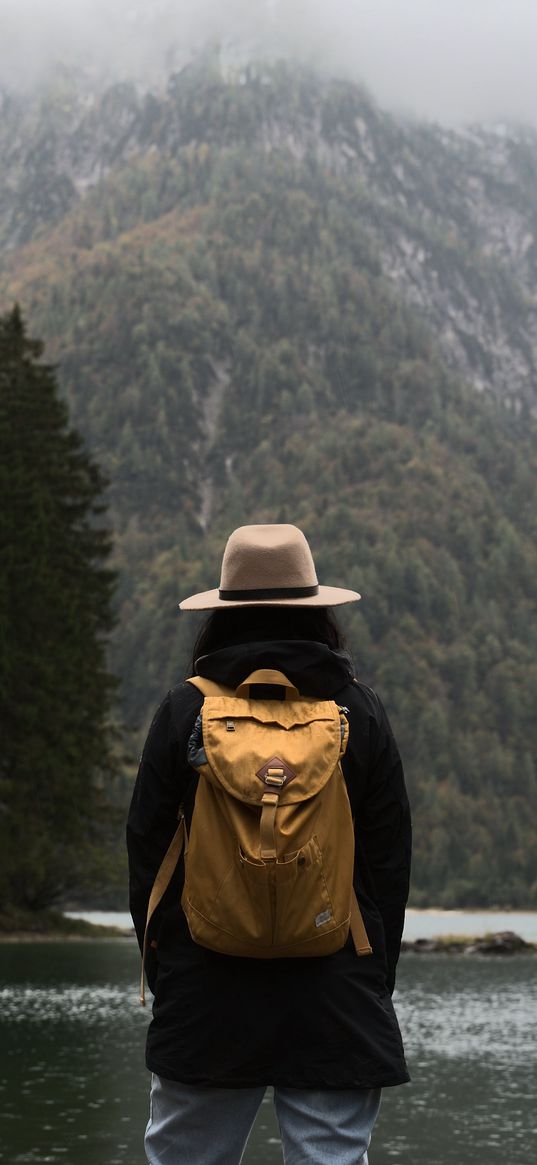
(275, 777)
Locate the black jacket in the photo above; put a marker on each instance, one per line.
(324, 1022)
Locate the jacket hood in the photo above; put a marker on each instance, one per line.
(314, 668)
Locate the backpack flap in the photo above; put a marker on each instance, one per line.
(241, 736)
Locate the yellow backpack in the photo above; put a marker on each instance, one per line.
(270, 855)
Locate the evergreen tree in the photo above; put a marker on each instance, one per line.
(55, 613)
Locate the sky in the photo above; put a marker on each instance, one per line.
(453, 61)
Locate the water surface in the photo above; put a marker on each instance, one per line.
(73, 1086)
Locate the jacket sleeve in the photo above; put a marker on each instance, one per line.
(161, 784)
(386, 834)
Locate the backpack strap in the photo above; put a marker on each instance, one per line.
(160, 885)
(361, 942)
(208, 687)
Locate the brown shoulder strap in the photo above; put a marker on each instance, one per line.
(361, 942)
(160, 885)
(208, 687)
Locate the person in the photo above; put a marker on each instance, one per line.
(322, 1031)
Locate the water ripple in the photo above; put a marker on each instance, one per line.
(86, 1004)
(463, 1015)
(472, 1020)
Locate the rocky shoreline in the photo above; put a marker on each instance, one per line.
(504, 942)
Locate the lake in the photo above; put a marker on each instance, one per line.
(73, 1086)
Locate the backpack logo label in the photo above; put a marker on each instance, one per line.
(275, 772)
(323, 917)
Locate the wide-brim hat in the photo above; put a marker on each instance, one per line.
(268, 566)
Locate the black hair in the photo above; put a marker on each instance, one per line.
(236, 625)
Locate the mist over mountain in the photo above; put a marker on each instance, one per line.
(455, 62)
(270, 300)
(452, 211)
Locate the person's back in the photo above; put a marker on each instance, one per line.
(321, 1030)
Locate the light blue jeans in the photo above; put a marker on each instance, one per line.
(210, 1126)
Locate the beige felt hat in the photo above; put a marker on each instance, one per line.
(268, 566)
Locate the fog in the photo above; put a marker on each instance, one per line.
(450, 60)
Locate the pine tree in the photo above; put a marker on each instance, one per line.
(55, 614)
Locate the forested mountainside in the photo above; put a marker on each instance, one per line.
(262, 293)
(453, 213)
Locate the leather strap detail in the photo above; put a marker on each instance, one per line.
(361, 942)
(276, 772)
(267, 826)
(160, 885)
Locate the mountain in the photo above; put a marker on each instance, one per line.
(453, 213)
(268, 301)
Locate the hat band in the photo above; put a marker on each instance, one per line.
(269, 593)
